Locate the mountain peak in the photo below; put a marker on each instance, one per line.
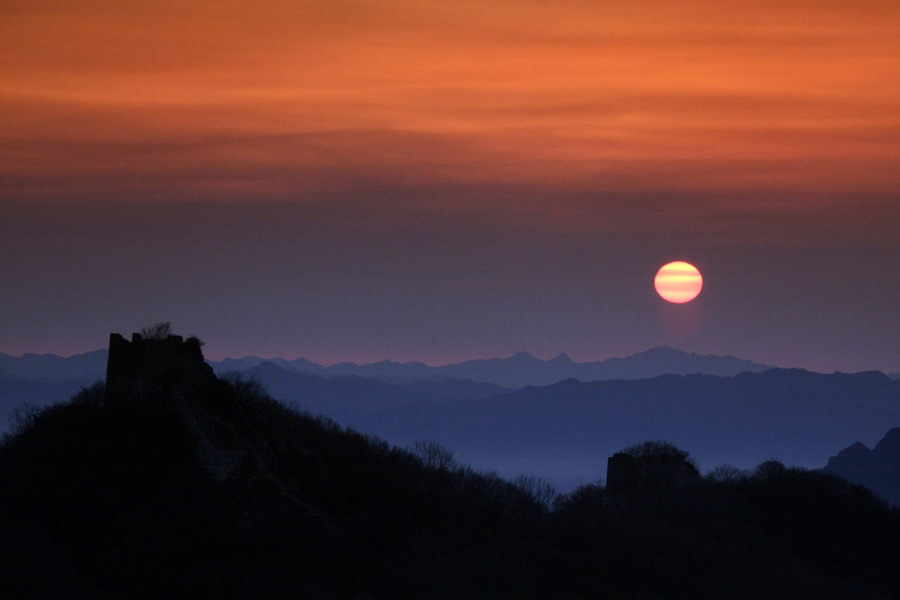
(890, 443)
(660, 351)
(561, 358)
(267, 366)
(852, 452)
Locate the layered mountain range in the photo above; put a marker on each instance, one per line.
(522, 369)
(515, 371)
(726, 409)
(41, 379)
(565, 431)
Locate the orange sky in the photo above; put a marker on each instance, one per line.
(290, 100)
(446, 179)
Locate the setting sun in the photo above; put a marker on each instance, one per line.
(678, 282)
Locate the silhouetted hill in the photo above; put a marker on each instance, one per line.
(522, 369)
(174, 484)
(878, 469)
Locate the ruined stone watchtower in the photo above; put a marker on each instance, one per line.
(144, 368)
(648, 468)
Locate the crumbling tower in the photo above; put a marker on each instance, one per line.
(146, 368)
(648, 474)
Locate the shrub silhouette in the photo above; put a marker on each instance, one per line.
(434, 455)
(658, 448)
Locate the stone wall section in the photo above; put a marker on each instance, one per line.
(655, 473)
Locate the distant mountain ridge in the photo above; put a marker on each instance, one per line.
(522, 369)
(89, 365)
(514, 372)
(877, 469)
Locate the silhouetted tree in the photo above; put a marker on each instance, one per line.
(94, 395)
(434, 455)
(157, 331)
(727, 474)
(542, 492)
(23, 416)
(768, 469)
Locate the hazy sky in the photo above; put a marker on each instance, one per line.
(436, 180)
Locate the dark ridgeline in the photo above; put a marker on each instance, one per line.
(523, 369)
(168, 482)
(878, 469)
(515, 371)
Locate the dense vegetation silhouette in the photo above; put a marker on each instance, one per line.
(204, 487)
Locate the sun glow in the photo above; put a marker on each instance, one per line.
(678, 282)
